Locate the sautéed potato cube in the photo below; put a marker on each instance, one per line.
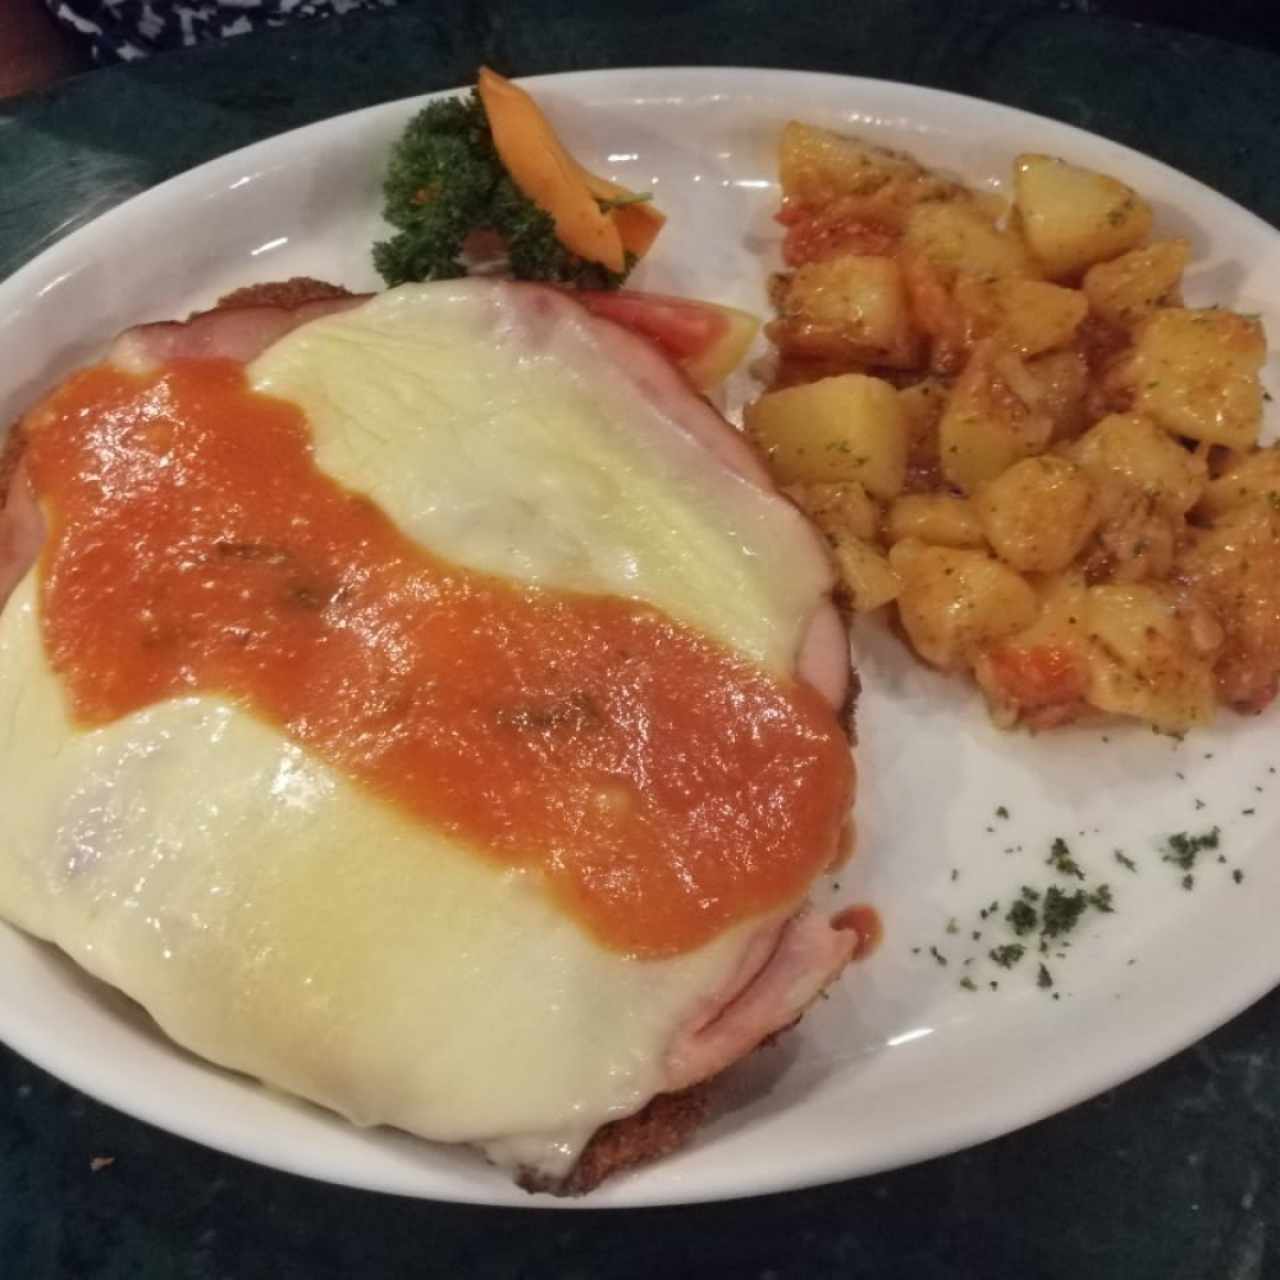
(936, 518)
(1040, 675)
(987, 425)
(1196, 374)
(866, 577)
(1063, 379)
(1132, 448)
(1026, 316)
(849, 517)
(1234, 566)
(953, 602)
(1038, 514)
(1073, 217)
(1253, 478)
(1005, 421)
(817, 165)
(849, 427)
(1131, 286)
(850, 305)
(960, 236)
(1143, 662)
(838, 509)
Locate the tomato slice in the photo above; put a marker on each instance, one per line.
(704, 339)
(679, 326)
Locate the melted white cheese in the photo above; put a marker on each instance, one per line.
(514, 445)
(274, 917)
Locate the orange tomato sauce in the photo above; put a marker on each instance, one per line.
(865, 921)
(661, 787)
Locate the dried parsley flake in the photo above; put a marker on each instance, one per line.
(1060, 859)
(1022, 917)
(1062, 911)
(1183, 849)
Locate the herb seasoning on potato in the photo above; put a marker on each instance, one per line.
(1015, 435)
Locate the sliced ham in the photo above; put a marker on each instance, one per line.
(21, 533)
(783, 971)
(229, 333)
(238, 332)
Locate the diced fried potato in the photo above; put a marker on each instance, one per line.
(849, 306)
(987, 424)
(1253, 478)
(1196, 374)
(960, 236)
(953, 602)
(850, 427)
(1031, 469)
(939, 519)
(1234, 566)
(1132, 448)
(850, 519)
(844, 509)
(1027, 316)
(1038, 514)
(1039, 675)
(1136, 539)
(866, 577)
(922, 404)
(1146, 482)
(1130, 287)
(934, 312)
(1074, 217)
(1064, 380)
(1143, 659)
(817, 165)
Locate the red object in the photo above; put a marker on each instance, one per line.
(1039, 677)
(705, 340)
(681, 327)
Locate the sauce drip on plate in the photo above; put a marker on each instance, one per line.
(661, 787)
(865, 921)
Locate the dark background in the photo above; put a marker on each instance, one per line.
(1252, 22)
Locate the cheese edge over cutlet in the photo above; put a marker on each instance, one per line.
(276, 918)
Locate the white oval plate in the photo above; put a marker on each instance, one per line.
(901, 1063)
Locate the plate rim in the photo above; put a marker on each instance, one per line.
(840, 1163)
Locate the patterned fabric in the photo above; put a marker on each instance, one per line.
(125, 30)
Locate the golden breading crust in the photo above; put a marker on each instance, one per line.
(283, 293)
(656, 1130)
